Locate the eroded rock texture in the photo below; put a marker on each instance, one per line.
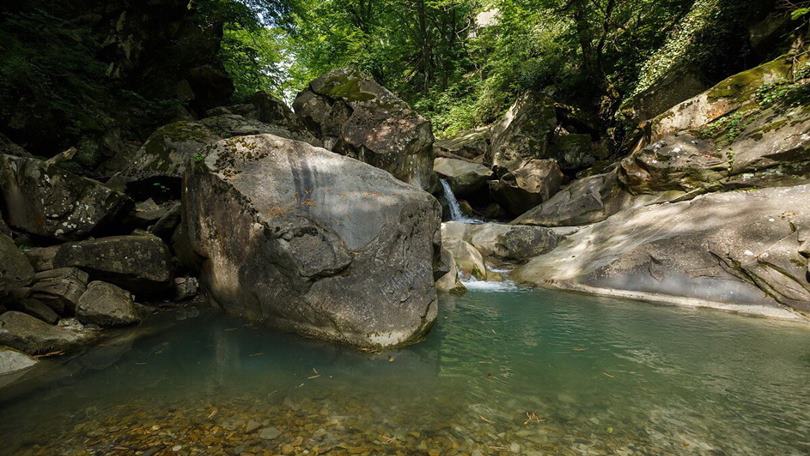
(311, 241)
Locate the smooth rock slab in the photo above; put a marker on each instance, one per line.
(105, 304)
(311, 241)
(33, 336)
(735, 250)
(138, 263)
(12, 361)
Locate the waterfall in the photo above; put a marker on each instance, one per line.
(455, 209)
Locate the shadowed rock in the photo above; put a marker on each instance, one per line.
(105, 304)
(43, 200)
(15, 269)
(138, 263)
(527, 186)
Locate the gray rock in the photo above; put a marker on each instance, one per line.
(12, 361)
(524, 131)
(589, 200)
(15, 269)
(471, 146)
(43, 200)
(527, 186)
(60, 289)
(185, 288)
(36, 308)
(465, 178)
(33, 336)
(311, 241)
(467, 259)
(450, 281)
(732, 250)
(41, 258)
(357, 117)
(139, 263)
(165, 226)
(269, 433)
(574, 151)
(105, 304)
(507, 243)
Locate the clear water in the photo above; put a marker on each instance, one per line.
(506, 372)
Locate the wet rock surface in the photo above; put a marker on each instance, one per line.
(311, 241)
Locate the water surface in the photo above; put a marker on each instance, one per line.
(507, 371)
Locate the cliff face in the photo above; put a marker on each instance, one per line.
(102, 75)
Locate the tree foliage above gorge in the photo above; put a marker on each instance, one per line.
(462, 62)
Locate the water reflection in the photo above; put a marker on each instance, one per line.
(524, 371)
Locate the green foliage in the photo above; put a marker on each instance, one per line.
(253, 59)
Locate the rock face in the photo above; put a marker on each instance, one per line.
(310, 241)
(357, 117)
(60, 289)
(734, 250)
(470, 146)
(527, 186)
(15, 269)
(511, 243)
(464, 177)
(524, 131)
(139, 263)
(46, 201)
(105, 304)
(450, 282)
(728, 137)
(33, 336)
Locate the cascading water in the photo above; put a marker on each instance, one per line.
(455, 209)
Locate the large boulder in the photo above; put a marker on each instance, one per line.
(527, 186)
(139, 263)
(359, 118)
(465, 178)
(15, 269)
(310, 241)
(524, 131)
(104, 304)
(734, 250)
(34, 336)
(43, 200)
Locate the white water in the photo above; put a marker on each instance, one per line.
(455, 209)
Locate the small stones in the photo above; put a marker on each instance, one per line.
(269, 433)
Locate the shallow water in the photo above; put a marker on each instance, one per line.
(508, 371)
